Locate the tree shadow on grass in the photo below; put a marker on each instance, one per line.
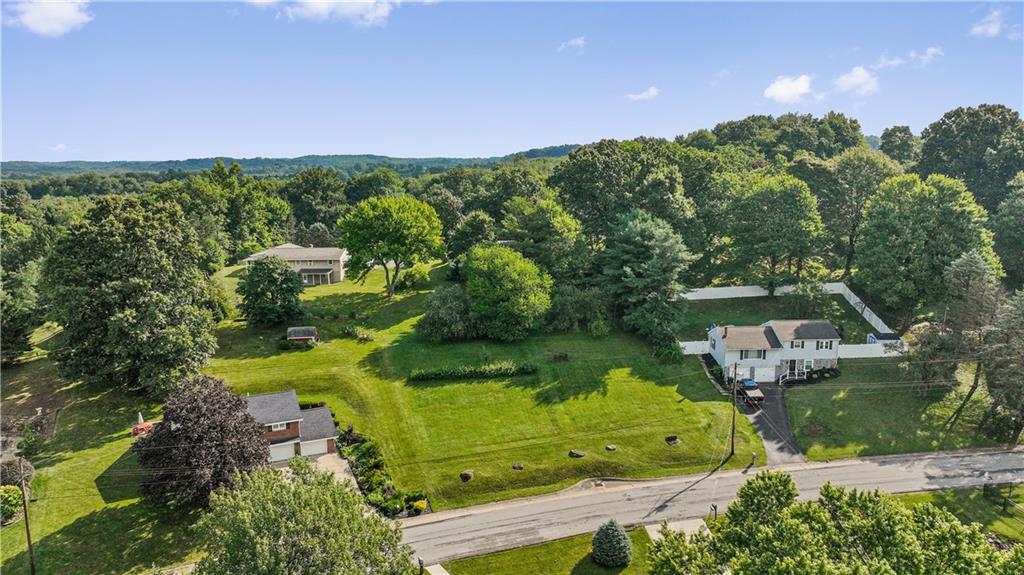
(586, 566)
(93, 418)
(112, 540)
(120, 481)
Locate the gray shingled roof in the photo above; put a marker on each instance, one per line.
(274, 407)
(748, 337)
(292, 252)
(317, 423)
(790, 329)
(301, 331)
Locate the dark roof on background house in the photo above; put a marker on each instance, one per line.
(790, 329)
(276, 407)
(292, 252)
(748, 337)
(304, 331)
(317, 423)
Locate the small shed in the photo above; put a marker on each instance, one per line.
(304, 334)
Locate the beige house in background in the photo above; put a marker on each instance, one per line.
(317, 265)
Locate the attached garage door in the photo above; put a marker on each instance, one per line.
(282, 452)
(314, 447)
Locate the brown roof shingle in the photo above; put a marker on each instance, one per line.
(748, 337)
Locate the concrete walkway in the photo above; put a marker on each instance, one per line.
(447, 535)
(688, 526)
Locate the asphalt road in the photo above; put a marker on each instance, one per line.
(482, 529)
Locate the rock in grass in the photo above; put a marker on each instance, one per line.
(672, 439)
(576, 453)
(517, 466)
(466, 475)
(611, 447)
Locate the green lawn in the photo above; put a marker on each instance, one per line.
(972, 506)
(757, 310)
(86, 515)
(563, 557)
(611, 391)
(871, 410)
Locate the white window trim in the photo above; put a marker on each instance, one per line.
(278, 426)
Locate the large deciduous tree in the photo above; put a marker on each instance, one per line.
(900, 144)
(126, 285)
(270, 292)
(544, 232)
(206, 436)
(508, 294)
(599, 182)
(856, 175)
(1008, 227)
(912, 230)
(316, 194)
(308, 524)
(642, 271)
(842, 532)
(775, 231)
(983, 146)
(380, 182)
(393, 232)
(476, 228)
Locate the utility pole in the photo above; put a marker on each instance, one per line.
(732, 433)
(24, 506)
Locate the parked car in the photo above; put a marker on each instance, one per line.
(751, 393)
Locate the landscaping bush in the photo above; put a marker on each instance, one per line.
(363, 335)
(573, 308)
(491, 370)
(508, 294)
(31, 442)
(372, 476)
(415, 276)
(10, 501)
(611, 545)
(14, 470)
(447, 316)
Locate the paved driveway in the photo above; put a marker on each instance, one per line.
(335, 464)
(772, 422)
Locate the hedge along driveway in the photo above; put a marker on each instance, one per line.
(610, 391)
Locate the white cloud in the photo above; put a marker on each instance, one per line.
(51, 18)
(859, 79)
(887, 62)
(576, 43)
(789, 89)
(57, 148)
(358, 12)
(649, 94)
(926, 57)
(990, 26)
(720, 76)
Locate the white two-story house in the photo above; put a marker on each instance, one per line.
(776, 351)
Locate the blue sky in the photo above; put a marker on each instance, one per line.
(147, 80)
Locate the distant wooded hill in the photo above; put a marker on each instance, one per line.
(350, 164)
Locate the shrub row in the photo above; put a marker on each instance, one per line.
(373, 478)
(490, 370)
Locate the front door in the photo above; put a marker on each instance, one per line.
(792, 366)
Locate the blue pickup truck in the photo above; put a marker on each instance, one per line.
(751, 393)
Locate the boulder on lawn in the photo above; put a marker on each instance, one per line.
(672, 439)
(466, 475)
(576, 453)
(611, 447)
(517, 466)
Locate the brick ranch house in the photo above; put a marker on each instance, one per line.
(290, 430)
(317, 265)
(775, 351)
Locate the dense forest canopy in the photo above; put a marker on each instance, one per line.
(347, 164)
